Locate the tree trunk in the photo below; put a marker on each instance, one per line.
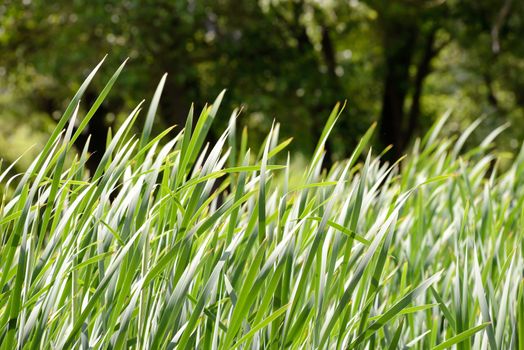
(98, 129)
(399, 40)
(423, 70)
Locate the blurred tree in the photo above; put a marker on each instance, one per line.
(409, 39)
(400, 62)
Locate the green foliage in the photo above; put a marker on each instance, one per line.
(397, 61)
(173, 243)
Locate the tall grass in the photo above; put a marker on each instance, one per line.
(175, 243)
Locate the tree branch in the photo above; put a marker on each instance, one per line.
(499, 22)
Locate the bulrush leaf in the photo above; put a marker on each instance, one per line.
(178, 243)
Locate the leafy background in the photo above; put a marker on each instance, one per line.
(401, 63)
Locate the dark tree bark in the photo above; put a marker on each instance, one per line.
(98, 129)
(175, 102)
(423, 70)
(399, 46)
(328, 54)
(492, 98)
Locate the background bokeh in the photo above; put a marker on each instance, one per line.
(402, 63)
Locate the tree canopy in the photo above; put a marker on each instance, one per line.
(401, 63)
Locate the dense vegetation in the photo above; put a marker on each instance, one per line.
(401, 63)
(175, 243)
